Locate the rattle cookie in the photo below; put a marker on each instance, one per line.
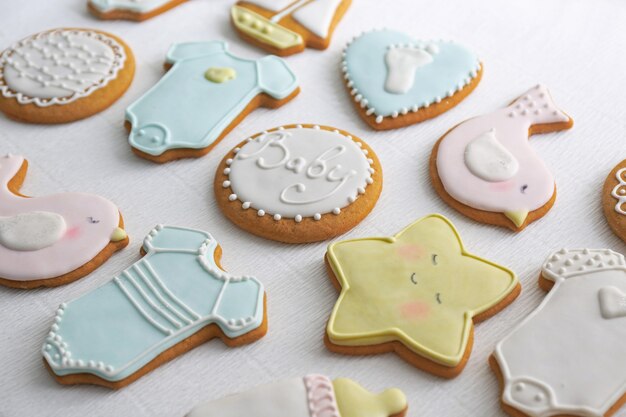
(417, 293)
(286, 27)
(567, 357)
(311, 396)
(486, 169)
(299, 183)
(614, 200)
(173, 299)
(137, 10)
(396, 81)
(52, 240)
(205, 93)
(62, 75)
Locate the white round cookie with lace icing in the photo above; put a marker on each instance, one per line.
(59, 66)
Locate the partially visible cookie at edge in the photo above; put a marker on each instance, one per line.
(614, 200)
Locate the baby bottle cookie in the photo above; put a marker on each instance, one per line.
(63, 75)
(311, 396)
(205, 93)
(173, 299)
(55, 239)
(486, 169)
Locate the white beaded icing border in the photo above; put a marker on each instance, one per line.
(118, 64)
(402, 111)
(298, 218)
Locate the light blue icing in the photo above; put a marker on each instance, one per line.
(185, 110)
(116, 329)
(366, 67)
(144, 6)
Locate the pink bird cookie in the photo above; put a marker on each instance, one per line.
(485, 168)
(55, 239)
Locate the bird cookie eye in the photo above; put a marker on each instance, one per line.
(523, 188)
(92, 220)
(433, 259)
(413, 280)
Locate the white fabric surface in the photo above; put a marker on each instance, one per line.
(575, 47)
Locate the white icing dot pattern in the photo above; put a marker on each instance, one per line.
(59, 66)
(572, 262)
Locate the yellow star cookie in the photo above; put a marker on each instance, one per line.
(416, 293)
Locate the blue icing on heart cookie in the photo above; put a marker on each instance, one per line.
(389, 73)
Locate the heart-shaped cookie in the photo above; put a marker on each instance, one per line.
(397, 81)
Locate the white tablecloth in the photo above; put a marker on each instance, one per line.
(577, 48)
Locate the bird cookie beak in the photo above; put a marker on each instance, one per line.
(518, 217)
(118, 234)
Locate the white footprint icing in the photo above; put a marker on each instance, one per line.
(31, 231)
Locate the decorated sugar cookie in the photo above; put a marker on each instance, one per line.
(614, 200)
(299, 183)
(55, 239)
(174, 298)
(63, 75)
(204, 94)
(417, 293)
(567, 357)
(311, 396)
(286, 27)
(396, 81)
(486, 169)
(130, 9)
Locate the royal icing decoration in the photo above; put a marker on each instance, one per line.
(170, 294)
(46, 237)
(187, 109)
(389, 74)
(579, 370)
(136, 6)
(487, 162)
(298, 172)
(59, 66)
(407, 288)
(315, 16)
(311, 396)
(619, 192)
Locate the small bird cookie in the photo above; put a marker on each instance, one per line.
(485, 168)
(55, 239)
(417, 293)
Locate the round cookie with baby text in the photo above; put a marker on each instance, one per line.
(299, 183)
(62, 75)
(614, 200)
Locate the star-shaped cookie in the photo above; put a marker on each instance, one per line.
(417, 293)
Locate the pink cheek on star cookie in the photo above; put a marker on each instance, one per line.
(411, 252)
(502, 186)
(415, 310)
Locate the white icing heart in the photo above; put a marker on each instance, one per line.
(486, 158)
(612, 302)
(401, 65)
(31, 231)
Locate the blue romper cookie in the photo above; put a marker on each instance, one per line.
(205, 93)
(173, 299)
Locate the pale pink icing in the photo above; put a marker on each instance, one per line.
(511, 126)
(321, 396)
(81, 242)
